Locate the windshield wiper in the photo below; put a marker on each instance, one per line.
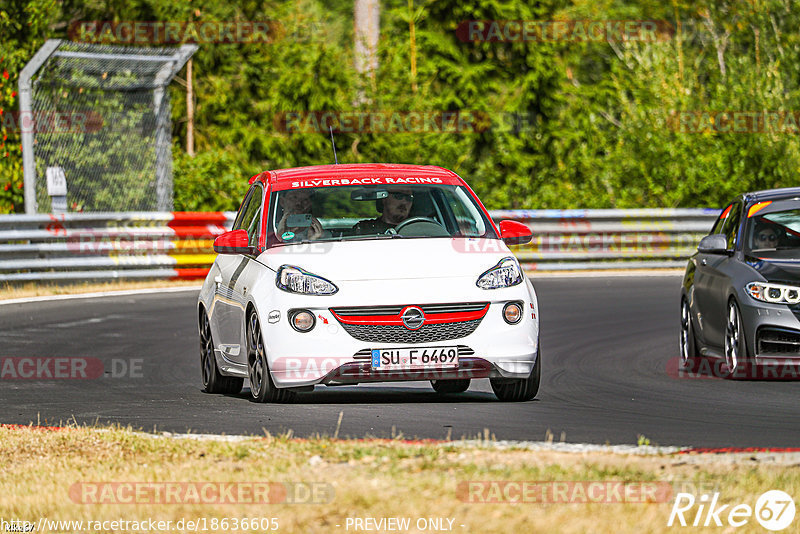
(370, 236)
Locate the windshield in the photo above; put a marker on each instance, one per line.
(374, 212)
(775, 234)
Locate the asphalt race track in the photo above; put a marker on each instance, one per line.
(607, 345)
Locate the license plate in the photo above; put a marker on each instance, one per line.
(416, 358)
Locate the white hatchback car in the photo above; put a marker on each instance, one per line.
(344, 274)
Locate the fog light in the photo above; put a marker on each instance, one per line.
(512, 312)
(302, 320)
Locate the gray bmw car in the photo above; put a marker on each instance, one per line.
(740, 298)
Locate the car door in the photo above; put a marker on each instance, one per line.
(229, 297)
(712, 279)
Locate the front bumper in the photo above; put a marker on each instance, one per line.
(772, 334)
(357, 372)
(329, 355)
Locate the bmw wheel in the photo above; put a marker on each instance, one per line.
(689, 359)
(262, 388)
(450, 386)
(213, 381)
(735, 346)
(519, 390)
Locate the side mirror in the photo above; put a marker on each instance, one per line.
(233, 242)
(515, 233)
(714, 244)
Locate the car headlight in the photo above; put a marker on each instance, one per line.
(774, 293)
(506, 273)
(296, 280)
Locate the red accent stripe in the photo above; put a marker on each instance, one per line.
(191, 274)
(368, 319)
(727, 450)
(32, 427)
(431, 318)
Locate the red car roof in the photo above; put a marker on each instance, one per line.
(325, 175)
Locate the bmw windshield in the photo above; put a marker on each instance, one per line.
(342, 213)
(774, 234)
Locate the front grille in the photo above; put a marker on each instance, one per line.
(429, 333)
(355, 311)
(778, 342)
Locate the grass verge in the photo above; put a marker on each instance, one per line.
(45, 474)
(32, 289)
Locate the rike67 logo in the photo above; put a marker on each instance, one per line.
(774, 510)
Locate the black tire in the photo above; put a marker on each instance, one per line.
(520, 390)
(213, 380)
(690, 360)
(736, 357)
(450, 386)
(262, 388)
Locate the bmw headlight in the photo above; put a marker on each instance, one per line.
(296, 280)
(773, 293)
(506, 273)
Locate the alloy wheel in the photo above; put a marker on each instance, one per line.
(733, 339)
(207, 351)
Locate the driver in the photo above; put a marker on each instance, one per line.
(394, 209)
(765, 236)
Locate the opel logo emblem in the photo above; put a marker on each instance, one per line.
(413, 318)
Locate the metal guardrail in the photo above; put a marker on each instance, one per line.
(107, 246)
(178, 245)
(599, 239)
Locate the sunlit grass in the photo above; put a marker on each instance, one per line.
(380, 478)
(32, 289)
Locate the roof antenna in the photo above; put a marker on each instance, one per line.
(335, 159)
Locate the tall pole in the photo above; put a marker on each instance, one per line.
(413, 44)
(189, 110)
(26, 110)
(367, 18)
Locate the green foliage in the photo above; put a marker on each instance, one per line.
(210, 181)
(23, 29)
(572, 124)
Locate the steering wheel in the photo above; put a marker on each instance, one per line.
(413, 220)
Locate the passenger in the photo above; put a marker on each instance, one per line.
(394, 209)
(297, 202)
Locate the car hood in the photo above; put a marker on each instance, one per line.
(388, 259)
(782, 270)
